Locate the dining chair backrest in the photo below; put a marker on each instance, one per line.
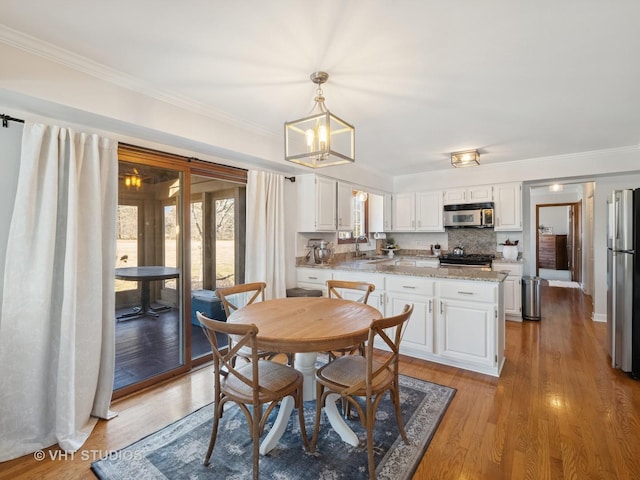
(244, 337)
(258, 383)
(337, 288)
(238, 296)
(390, 330)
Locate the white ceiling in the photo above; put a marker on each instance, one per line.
(417, 78)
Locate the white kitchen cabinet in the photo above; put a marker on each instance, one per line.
(345, 206)
(387, 213)
(379, 212)
(508, 207)
(316, 203)
(512, 289)
(403, 212)
(376, 298)
(467, 319)
(313, 278)
(429, 211)
(475, 194)
(403, 290)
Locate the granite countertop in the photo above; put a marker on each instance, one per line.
(385, 265)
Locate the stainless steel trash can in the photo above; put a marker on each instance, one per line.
(531, 298)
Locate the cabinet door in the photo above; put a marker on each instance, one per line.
(508, 207)
(512, 294)
(387, 213)
(455, 196)
(325, 204)
(345, 206)
(404, 212)
(481, 193)
(429, 211)
(418, 333)
(466, 331)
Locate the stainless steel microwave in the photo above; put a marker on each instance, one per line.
(473, 215)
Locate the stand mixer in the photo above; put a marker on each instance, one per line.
(320, 252)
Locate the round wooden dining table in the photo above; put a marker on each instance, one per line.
(305, 326)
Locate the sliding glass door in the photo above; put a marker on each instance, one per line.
(180, 235)
(215, 245)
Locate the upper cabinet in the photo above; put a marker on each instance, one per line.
(345, 206)
(508, 207)
(429, 212)
(477, 194)
(316, 203)
(418, 212)
(379, 214)
(403, 212)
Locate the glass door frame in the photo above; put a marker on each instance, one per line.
(187, 167)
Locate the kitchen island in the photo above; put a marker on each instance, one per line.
(458, 317)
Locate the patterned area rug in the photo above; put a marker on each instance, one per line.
(177, 451)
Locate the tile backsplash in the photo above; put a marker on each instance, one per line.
(473, 240)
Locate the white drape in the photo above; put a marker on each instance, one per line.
(57, 344)
(265, 258)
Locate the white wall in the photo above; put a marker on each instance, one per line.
(555, 218)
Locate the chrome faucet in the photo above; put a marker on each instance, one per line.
(364, 238)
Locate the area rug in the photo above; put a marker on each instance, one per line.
(177, 451)
(563, 284)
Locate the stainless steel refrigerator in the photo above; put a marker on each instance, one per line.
(623, 281)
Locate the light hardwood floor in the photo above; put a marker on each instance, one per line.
(557, 412)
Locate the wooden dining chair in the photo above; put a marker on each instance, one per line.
(257, 384)
(353, 376)
(344, 288)
(238, 296)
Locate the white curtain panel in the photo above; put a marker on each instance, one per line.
(265, 259)
(57, 327)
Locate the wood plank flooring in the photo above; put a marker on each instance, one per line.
(557, 412)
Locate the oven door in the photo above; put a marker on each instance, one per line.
(463, 218)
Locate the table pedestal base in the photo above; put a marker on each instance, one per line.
(305, 362)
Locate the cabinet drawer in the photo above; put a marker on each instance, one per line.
(313, 275)
(513, 269)
(474, 291)
(375, 279)
(408, 284)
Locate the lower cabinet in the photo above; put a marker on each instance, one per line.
(470, 328)
(454, 322)
(418, 333)
(512, 289)
(376, 298)
(314, 278)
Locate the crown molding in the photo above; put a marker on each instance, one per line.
(85, 65)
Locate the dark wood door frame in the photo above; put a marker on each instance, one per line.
(574, 243)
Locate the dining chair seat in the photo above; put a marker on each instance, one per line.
(349, 370)
(273, 377)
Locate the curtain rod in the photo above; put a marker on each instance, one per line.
(7, 118)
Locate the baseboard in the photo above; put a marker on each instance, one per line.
(599, 317)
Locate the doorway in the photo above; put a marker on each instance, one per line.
(559, 241)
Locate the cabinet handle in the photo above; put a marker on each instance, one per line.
(441, 308)
(430, 301)
(312, 278)
(413, 223)
(409, 286)
(465, 293)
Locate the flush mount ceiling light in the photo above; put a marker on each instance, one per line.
(465, 158)
(320, 139)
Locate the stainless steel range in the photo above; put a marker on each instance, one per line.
(467, 260)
